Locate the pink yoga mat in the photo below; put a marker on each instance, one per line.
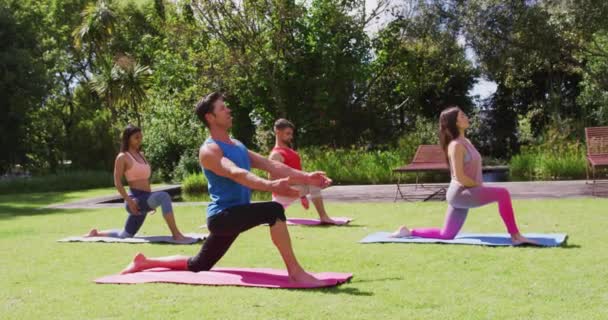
(246, 277)
(316, 222)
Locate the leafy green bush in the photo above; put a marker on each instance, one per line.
(172, 132)
(556, 155)
(194, 184)
(169, 136)
(522, 166)
(543, 165)
(194, 188)
(188, 164)
(561, 166)
(358, 166)
(350, 166)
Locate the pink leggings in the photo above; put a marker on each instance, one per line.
(460, 200)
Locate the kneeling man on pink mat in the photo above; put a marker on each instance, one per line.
(227, 163)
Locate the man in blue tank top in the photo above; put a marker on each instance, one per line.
(226, 163)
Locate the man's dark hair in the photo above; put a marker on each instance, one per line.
(283, 124)
(205, 105)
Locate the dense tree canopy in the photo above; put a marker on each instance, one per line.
(74, 72)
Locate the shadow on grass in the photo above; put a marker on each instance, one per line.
(340, 289)
(10, 212)
(35, 199)
(34, 204)
(379, 279)
(571, 246)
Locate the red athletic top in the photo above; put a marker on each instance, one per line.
(290, 157)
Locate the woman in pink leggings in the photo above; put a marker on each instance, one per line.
(466, 189)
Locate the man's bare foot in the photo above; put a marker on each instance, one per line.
(306, 279)
(328, 220)
(138, 264)
(92, 233)
(179, 237)
(519, 239)
(402, 232)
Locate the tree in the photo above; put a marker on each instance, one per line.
(22, 82)
(594, 93)
(284, 59)
(132, 80)
(419, 70)
(96, 28)
(521, 48)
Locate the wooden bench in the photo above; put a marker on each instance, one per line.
(428, 158)
(431, 158)
(596, 139)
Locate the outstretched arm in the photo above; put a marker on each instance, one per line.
(278, 169)
(120, 166)
(275, 156)
(212, 158)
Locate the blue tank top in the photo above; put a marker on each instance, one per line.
(224, 192)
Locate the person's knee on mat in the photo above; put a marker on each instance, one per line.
(124, 234)
(132, 225)
(195, 265)
(447, 235)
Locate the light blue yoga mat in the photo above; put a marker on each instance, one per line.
(481, 239)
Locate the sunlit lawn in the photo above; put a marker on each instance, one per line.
(43, 279)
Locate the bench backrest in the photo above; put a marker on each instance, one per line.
(430, 153)
(597, 141)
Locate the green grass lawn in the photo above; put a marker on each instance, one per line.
(43, 279)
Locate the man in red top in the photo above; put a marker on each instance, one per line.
(282, 152)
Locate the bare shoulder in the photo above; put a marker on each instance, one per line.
(122, 157)
(276, 156)
(455, 146)
(210, 150)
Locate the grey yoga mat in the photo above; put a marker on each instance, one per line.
(191, 238)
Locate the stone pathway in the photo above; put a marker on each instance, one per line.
(518, 190)
(386, 193)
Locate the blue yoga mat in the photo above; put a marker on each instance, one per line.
(481, 239)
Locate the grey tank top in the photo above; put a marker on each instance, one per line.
(472, 162)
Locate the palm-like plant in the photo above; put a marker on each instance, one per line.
(123, 86)
(97, 26)
(105, 85)
(132, 81)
